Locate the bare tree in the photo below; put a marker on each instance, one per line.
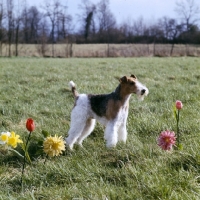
(171, 30)
(17, 24)
(25, 22)
(17, 27)
(139, 27)
(107, 21)
(64, 25)
(188, 12)
(34, 17)
(86, 18)
(42, 38)
(31, 19)
(10, 19)
(2, 29)
(52, 9)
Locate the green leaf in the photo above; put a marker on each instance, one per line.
(16, 153)
(175, 113)
(45, 133)
(180, 147)
(40, 143)
(26, 153)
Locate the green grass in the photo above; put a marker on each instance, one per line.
(139, 169)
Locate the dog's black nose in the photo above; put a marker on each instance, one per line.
(143, 91)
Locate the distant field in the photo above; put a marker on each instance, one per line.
(37, 88)
(104, 50)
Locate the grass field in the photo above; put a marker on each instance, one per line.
(139, 169)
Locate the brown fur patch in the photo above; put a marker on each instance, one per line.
(128, 86)
(114, 107)
(74, 92)
(108, 105)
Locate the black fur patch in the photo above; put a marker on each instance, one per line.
(99, 102)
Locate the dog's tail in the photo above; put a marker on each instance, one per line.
(73, 89)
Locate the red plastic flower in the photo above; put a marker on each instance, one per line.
(30, 125)
(179, 104)
(166, 140)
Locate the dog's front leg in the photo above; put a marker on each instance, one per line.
(111, 134)
(122, 133)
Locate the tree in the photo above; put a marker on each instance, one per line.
(30, 19)
(2, 29)
(33, 18)
(188, 12)
(106, 19)
(17, 26)
(52, 9)
(126, 30)
(171, 30)
(107, 22)
(86, 19)
(64, 23)
(42, 37)
(10, 19)
(139, 27)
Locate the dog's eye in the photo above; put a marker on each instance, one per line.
(132, 83)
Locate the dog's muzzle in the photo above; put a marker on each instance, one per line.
(143, 91)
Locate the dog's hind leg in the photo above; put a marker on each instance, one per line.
(89, 127)
(76, 128)
(73, 134)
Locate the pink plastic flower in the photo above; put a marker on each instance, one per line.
(166, 140)
(179, 104)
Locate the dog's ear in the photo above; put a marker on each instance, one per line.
(123, 79)
(133, 76)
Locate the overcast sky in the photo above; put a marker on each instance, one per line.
(150, 10)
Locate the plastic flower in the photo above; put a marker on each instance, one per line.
(179, 105)
(13, 140)
(4, 137)
(30, 125)
(53, 146)
(166, 140)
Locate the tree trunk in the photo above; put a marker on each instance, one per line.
(17, 40)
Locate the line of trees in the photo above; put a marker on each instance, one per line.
(51, 24)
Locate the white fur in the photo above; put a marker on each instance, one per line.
(83, 120)
(71, 84)
(140, 87)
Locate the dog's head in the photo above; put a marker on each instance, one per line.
(131, 85)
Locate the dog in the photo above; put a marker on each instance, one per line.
(111, 110)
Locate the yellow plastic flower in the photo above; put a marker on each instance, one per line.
(4, 137)
(53, 146)
(13, 140)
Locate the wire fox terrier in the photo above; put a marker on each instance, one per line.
(111, 110)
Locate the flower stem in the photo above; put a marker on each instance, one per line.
(177, 128)
(24, 163)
